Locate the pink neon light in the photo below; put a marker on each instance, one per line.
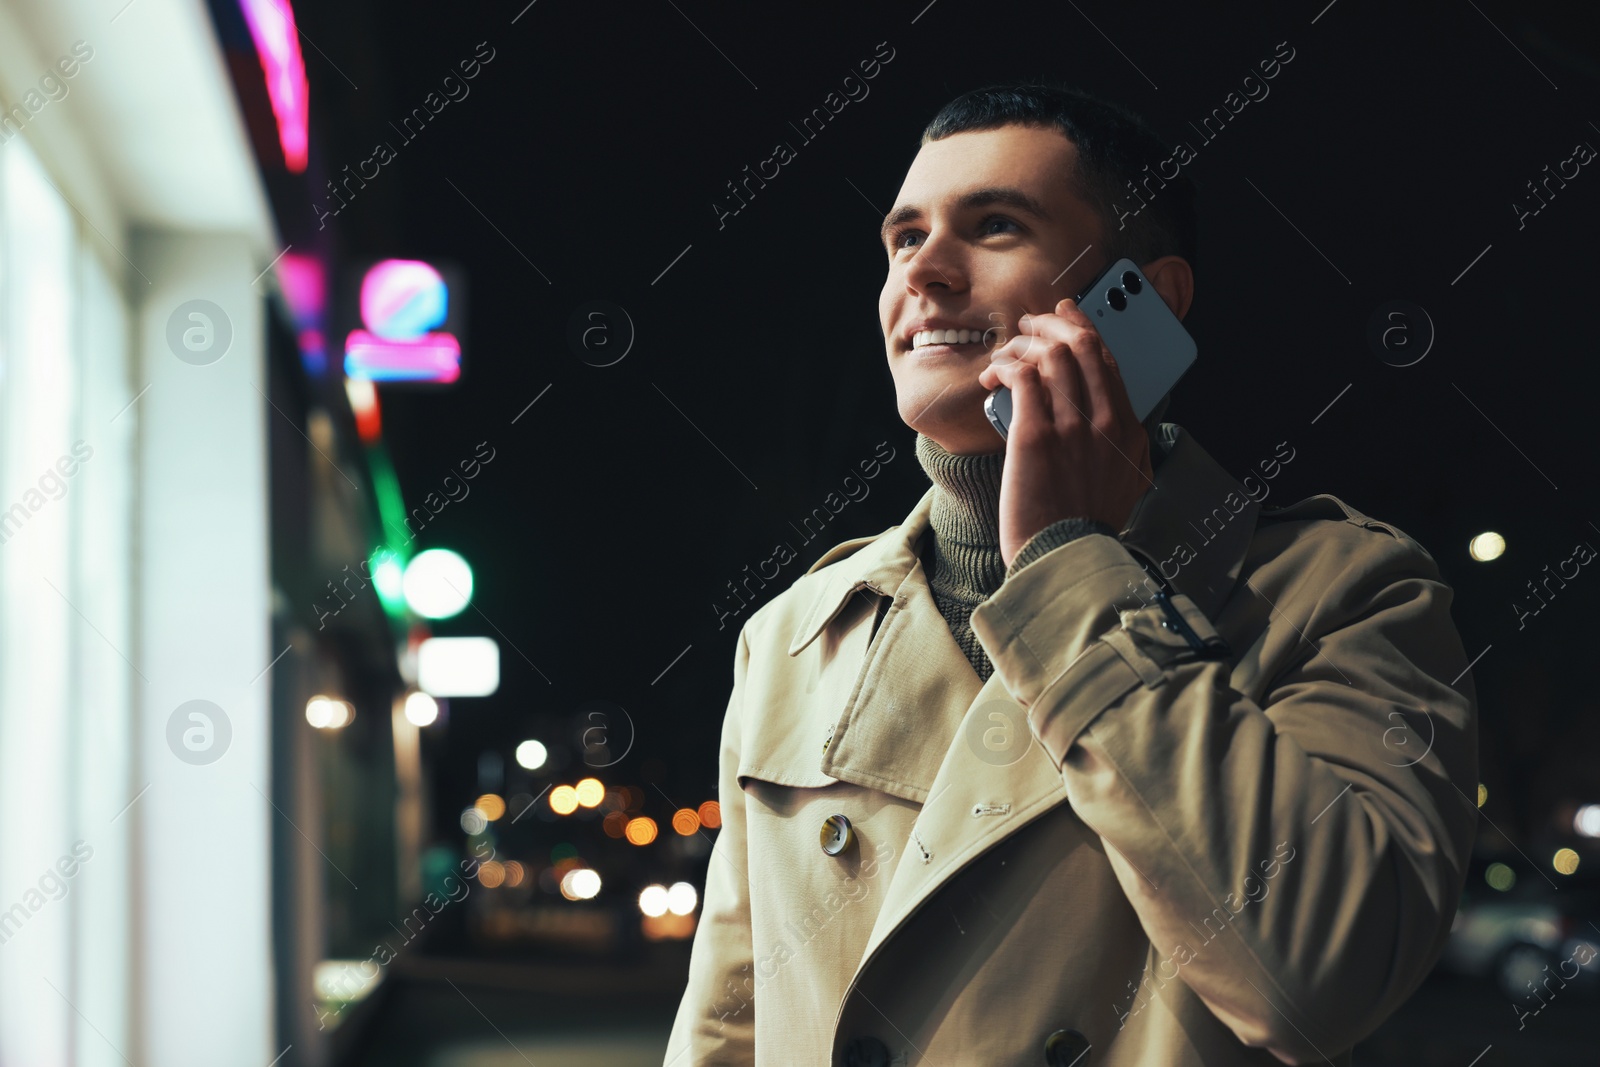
(433, 357)
(402, 299)
(278, 44)
(304, 286)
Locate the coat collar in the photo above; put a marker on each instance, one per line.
(1194, 526)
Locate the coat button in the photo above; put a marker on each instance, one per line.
(1066, 1048)
(866, 1052)
(836, 834)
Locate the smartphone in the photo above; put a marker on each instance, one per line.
(1149, 343)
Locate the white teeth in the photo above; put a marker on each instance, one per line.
(946, 337)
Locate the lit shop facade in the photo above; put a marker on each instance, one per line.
(180, 479)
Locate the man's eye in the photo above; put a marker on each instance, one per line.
(898, 236)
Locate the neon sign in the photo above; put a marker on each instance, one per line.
(404, 302)
(278, 45)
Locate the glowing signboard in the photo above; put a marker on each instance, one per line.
(404, 305)
(277, 42)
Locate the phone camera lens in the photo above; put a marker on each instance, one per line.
(1131, 282)
(1116, 298)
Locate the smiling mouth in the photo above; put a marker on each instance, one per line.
(924, 340)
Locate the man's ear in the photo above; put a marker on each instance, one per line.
(1174, 280)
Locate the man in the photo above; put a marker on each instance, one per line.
(1093, 760)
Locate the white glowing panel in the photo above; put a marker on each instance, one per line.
(458, 666)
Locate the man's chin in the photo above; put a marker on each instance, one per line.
(969, 440)
(960, 428)
(950, 402)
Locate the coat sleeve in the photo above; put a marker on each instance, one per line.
(1296, 862)
(715, 1022)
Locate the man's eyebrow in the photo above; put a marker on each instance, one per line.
(994, 194)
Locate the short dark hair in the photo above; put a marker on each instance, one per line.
(1114, 147)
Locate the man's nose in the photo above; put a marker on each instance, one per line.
(937, 261)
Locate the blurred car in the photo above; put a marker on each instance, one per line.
(1523, 935)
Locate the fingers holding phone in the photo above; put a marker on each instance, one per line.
(1140, 345)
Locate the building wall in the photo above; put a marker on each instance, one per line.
(134, 877)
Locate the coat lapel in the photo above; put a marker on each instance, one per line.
(914, 684)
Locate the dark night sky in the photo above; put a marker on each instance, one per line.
(597, 139)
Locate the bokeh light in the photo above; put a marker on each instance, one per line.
(580, 883)
(437, 583)
(614, 824)
(1483, 794)
(685, 821)
(515, 874)
(682, 898)
(590, 792)
(473, 822)
(1499, 876)
(387, 578)
(531, 755)
(641, 830)
(421, 709)
(1565, 861)
(326, 713)
(1486, 546)
(319, 711)
(492, 806)
(563, 800)
(711, 815)
(653, 900)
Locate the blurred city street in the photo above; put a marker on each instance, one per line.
(501, 501)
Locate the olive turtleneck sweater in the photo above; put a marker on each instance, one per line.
(962, 557)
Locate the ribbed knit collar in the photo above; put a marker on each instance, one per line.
(965, 521)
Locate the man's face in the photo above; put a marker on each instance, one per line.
(983, 231)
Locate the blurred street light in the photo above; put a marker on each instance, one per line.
(563, 800)
(421, 709)
(1486, 546)
(710, 813)
(653, 900)
(437, 583)
(580, 883)
(459, 666)
(491, 805)
(681, 898)
(531, 755)
(1587, 821)
(1499, 876)
(326, 713)
(590, 792)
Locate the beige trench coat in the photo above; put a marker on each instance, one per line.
(1249, 859)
